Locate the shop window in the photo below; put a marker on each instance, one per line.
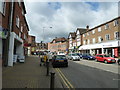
(107, 36)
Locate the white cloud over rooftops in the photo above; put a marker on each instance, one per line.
(65, 17)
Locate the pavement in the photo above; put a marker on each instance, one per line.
(28, 75)
(111, 67)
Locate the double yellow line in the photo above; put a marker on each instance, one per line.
(64, 79)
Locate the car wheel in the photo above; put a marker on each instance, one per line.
(105, 62)
(96, 60)
(67, 65)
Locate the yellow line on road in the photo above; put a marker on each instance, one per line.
(62, 78)
(65, 78)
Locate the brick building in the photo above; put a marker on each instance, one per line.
(104, 38)
(32, 44)
(58, 45)
(14, 21)
(41, 46)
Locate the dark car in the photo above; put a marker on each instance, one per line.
(88, 56)
(118, 61)
(79, 54)
(59, 60)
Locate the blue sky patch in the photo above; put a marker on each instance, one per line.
(54, 5)
(94, 5)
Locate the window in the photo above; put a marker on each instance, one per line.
(106, 26)
(99, 39)
(99, 29)
(24, 36)
(88, 41)
(107, 36)
(93, 40)
(93, 31)
(20, 34)
(88, 33)
(84, 42)
(2, 7)
(117, 35)
(115, 22)
(17, 21)
(83, 35)
(21, 28)
(19, 2)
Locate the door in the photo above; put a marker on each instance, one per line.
(101, 58)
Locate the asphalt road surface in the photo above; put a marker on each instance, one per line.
(81, 76)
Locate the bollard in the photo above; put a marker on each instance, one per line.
(52, 81)
(47, 64)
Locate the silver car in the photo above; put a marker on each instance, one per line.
(73, 56)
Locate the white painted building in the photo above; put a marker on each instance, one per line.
(15, 47)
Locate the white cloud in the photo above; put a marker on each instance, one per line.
(66, 17)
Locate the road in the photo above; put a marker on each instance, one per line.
(82, 76)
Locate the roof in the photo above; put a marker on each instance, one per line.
(59, 39)
(81, 30)
(103, 24)
(73, 35)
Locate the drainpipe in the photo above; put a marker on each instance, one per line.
(10, 60)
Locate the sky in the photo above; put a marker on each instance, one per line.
(66, 17)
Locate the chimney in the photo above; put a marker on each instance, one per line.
(87, 27)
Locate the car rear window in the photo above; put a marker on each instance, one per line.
(60, 57)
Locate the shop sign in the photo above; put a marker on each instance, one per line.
(116, 52)
(3, 33)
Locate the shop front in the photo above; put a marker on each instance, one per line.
(15, 48)
(111, 48)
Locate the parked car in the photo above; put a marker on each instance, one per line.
(73, 56)
(105, 58)
(59, 60)
(118, 61)
(87, 56)
(79, 54)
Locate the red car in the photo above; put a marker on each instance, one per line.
(104, 58)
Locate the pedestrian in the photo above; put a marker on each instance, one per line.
(41, 59)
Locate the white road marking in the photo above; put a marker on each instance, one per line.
(116, 79)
